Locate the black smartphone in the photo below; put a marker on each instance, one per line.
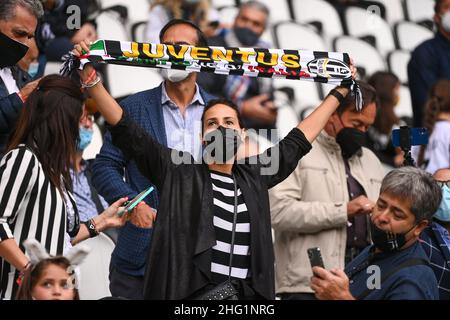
(315, 257)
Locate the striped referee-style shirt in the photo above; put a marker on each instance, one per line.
(30, 207)
(223, 197)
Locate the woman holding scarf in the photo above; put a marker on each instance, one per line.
(210, 209)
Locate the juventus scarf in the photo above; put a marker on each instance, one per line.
(317, 66)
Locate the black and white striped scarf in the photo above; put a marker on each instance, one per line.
(325, 67)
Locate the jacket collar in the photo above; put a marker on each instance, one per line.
(328, 141)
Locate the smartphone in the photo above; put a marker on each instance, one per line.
(315, 257)
(133, 203)
(416, 137)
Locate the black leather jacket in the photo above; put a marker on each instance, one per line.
(179, 260)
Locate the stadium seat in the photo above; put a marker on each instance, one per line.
(137, 9)
(308, 11)
(398, 64)
(409, 35)
(306, 92)
(138, 31)
(124, 81)
(111, 28)
(287, 117)
(419, 10)
(223, 3)
(394, 11)
(404, 107)
(228, 14)
(94, 282)
(279, 10)
(305, 37)
(361, 23)
(365, 55)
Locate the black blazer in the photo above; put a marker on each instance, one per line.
(179, 261)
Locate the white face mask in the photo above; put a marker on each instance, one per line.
(445, 21)
(174, 75)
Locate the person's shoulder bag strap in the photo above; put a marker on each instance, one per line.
(406, 264)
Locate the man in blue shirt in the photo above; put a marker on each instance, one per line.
(395, 267)
(170, 113)
(430, 62)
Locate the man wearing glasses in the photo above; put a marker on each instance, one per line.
(435, 239)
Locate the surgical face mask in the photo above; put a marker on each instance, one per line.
(85, 138)
(246, 36)
(387, 241)
(445, 21)
(222, 145)
(443, 213)
(33, 69)
(11, 51)
(174, 75)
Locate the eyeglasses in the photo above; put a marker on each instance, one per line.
(443, 183)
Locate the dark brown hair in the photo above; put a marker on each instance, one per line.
(369, 96)
(201, 39)
(226, 102)
(49, 126)
(384, 83)
(438, 101)
(34, 274)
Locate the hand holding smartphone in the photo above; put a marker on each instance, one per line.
(133, 203)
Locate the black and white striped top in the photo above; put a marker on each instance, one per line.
(223, 195)
(30, 207)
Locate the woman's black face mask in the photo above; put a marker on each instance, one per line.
(221, 145)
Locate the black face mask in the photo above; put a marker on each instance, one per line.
(246, 36)
(350, 140)
(222, 144)
(11, 51)
(387, 241)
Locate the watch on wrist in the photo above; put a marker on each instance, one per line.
(90, 225)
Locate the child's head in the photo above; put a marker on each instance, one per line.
(50, 279)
